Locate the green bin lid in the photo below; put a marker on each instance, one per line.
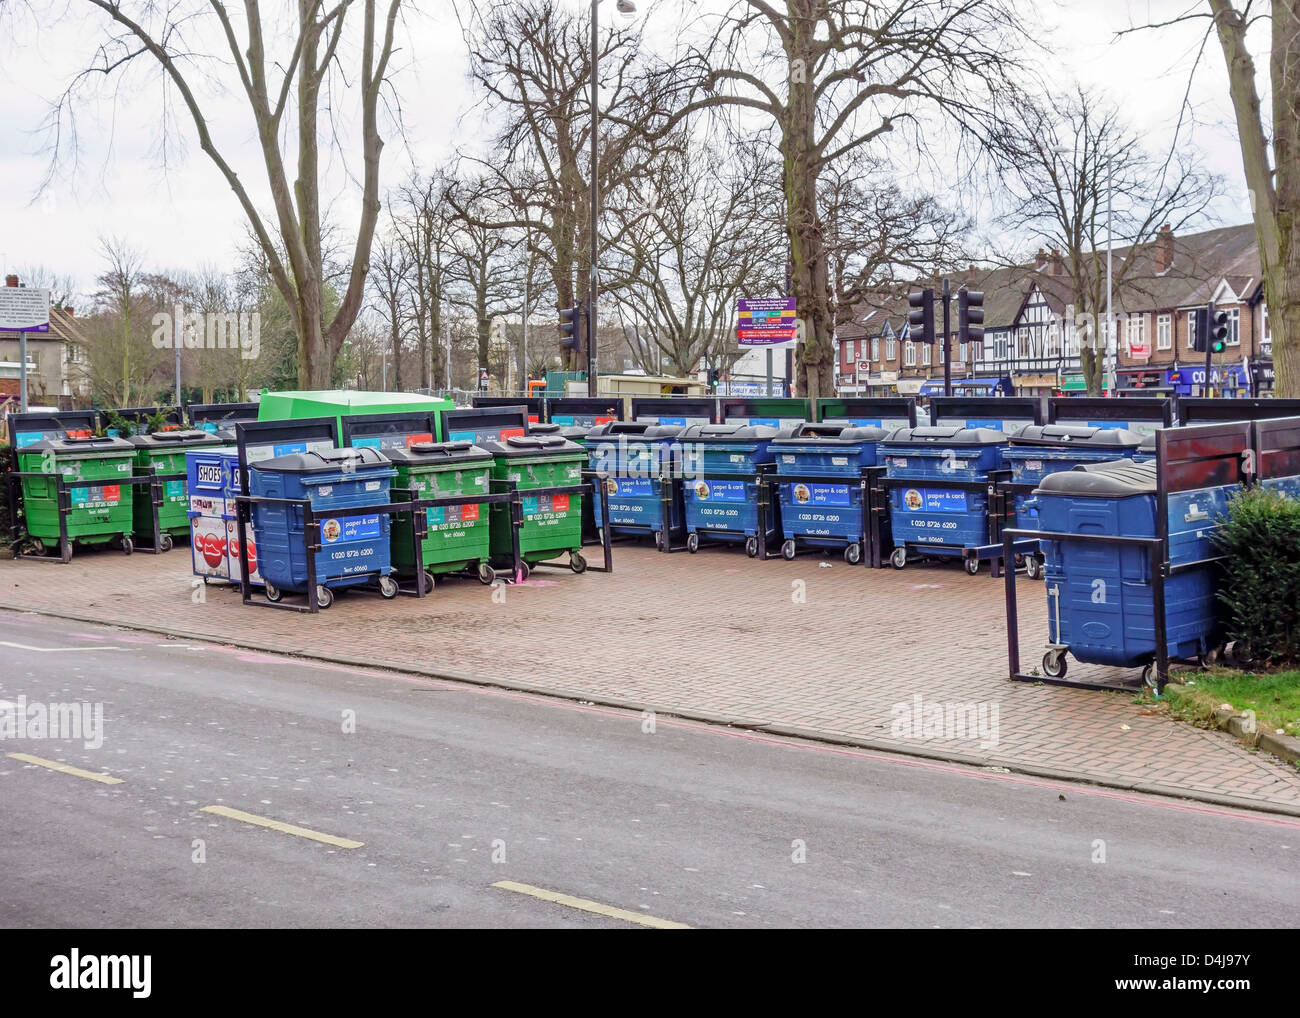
(1115, 479)
(324, 461)
(434, 453)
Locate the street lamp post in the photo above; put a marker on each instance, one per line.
(626, 7)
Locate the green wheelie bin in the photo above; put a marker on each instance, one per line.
(457, 538)
(552, 523)
(164, 453)
(99, 510)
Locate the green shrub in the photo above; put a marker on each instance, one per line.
(1260, 584)
(4, 495)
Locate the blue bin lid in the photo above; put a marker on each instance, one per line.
(748, 433)
(76, 446)
(633, 430)
(425, 453)
(163, 440)
(1064, 435)
(1115, 479)
(827, 433)
(532, 444)
(946, 434)
(324, 461)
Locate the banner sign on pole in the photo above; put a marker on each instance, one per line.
(766, 321)
(24, 309)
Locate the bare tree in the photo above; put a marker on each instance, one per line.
(1060, 162)
(833, 76)
(388, 280)
(304, 81)
(122, 363)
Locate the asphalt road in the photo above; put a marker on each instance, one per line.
(453, 789)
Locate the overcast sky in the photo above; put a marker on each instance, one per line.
(180, 215)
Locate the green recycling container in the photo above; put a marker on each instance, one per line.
(552, 523)
(340, 403)
(164, 453)
(99, 510)
(457, 537)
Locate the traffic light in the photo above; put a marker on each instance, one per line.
(921, 317)
(970, 316)
(570, 319)
(713, 376)
(1218, 334)
(1200, 329)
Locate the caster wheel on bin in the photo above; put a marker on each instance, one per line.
(751, 547)
(1149, 675)
(66, 549)
(1054, 666)
(659, 540)
(427, 579)
(972, 565)
(523, 571)
(38, 546)
(577, 563)
(692, 543)
(128, 545)
(273, 593)
(486, 574)
(1033, 568)
(899, 558)
(166, 543)
(787, 550)
(853, 554)
(387, 588)
(325, 596)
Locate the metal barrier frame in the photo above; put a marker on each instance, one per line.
(764, 507)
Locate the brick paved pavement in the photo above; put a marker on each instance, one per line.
(719, 636)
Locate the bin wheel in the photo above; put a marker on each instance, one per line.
(427, 579)
(899, 558)
(1033, 568)
(788, 550)
(523, 571)
(972, 565)
(659, 540)
(751, 547)
(325, 596)
(128, 545)
(387, 588)
(65, 547)
(692, 542)
(165, 542)
(853, 554)
(577, 563)
(1054, 665)
(38, 546)
(486, 574)
(600, 535)
(1149, 675)
(273, 593)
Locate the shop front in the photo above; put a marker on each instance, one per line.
(1226, 380)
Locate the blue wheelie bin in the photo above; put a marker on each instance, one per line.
(721, 507)
(354, 547)
(942, 521)
(637, 456)
(1099, 596)
(822, 514)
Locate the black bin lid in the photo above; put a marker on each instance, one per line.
(570, 431)
(946, 434)
(324, 461)
(187, 436)
(731, 433)
(426, 453)
(633, 430)
(73, 446)
(828, 433)
(1061, 435)
(532, 445)
(1116, 479)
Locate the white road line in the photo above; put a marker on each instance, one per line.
(53, 650)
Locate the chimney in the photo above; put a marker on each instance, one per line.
(1040, 260)
(1058, 263)
(67, 310)
(11, 280)
(1164, 249)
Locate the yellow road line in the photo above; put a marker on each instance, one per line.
(280, 825)
(63, 768)
(591, 906)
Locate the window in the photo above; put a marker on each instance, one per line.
(1164, 332)
(891, 349)
(1022, 342)
(1053, 339)
(1234, 327)
(875, 349)
(925, 354)
(1191, 330)
(1137, 331)
(961, 351)
(909, 354)
(1001, 346)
